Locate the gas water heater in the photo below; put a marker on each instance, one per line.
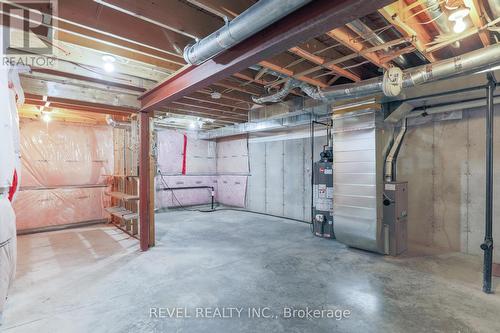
(322, 212)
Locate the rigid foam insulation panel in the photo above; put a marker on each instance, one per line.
(280, 173)
(443, 160)
(61, 165)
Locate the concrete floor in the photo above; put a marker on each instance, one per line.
(94, 279)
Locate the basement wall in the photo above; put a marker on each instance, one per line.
(280, 173)
(63, 175)
(444, 164)
(222, 165)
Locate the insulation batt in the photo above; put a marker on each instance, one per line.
(57, 155)
(10, 161)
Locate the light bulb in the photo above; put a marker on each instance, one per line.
(46, 117)
(459, 26)
(108, 67)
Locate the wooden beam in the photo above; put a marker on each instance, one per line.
(348, 39)
(308, 22)
(409, 27)
(322, 61)
(477, 20)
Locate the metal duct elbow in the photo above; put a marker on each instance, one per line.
(116, 124)
(345, 91)
(278, 96)
(254, 19)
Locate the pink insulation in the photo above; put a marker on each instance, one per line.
(232, 155)
(43, 208)
(170, 150)
(58, 154)
(191, 197)
(232, 190)
(223, 165)
(56, 158)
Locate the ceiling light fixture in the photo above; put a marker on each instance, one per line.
(458, 17)
(46, 117)
(216, 95)
(109, 63)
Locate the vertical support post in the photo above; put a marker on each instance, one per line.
(144, 180)
(487, 246)
(152, 175)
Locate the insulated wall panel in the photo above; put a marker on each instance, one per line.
(179, 197)
(256, 191)
(170, 151)
(294, 185)
(231, 190)
(59, 154)
(45, 208)
(280, 173)
(201, 157)
(232, 155)
(275, 178)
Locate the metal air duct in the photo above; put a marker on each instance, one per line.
(374, 39)
(467, 63)
(278, 96)
(254, 19)
(116, 124)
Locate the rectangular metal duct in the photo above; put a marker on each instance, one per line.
(360, 143)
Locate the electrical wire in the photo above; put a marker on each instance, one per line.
(180, 205)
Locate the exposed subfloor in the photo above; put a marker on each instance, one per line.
(94, 279)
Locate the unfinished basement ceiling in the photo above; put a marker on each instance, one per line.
(406, 33)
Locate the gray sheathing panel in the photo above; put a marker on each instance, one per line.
(444, 164)
(306, 178)
(416, 165)
(450, 194)
(256, 189)
(294, 179)
(274, 178)
(280, 168)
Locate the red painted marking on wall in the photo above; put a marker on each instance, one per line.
(184, 155)
(13, 188)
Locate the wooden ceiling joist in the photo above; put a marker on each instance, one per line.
(290, 73)
(409, 27)
(349, 40)
(477, 20)
(322, 61)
